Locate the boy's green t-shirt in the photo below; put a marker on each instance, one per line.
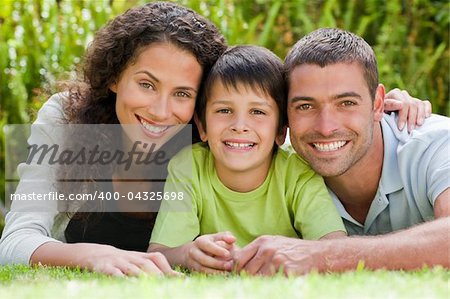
(293, 201)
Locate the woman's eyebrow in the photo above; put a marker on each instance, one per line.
(148, 74)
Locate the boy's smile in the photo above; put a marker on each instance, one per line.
(241, 127)
(239, 145)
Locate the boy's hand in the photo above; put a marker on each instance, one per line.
(211, 254)
(410, 110)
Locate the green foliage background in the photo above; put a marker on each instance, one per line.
(42, 41)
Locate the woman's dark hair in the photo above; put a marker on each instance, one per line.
(117, 44)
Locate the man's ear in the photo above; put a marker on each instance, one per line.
(281, 137)
(201, 130)
(378, 103)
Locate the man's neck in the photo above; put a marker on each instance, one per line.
(357, 187)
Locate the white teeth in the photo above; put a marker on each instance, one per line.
(239, 145)
(153, 129)
(330, 146)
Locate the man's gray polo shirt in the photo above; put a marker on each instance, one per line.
(416, 170)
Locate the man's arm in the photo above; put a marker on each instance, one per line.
(427, 244)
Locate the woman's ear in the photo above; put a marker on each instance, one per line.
(281, 137)
(113, 87)
(201, 130)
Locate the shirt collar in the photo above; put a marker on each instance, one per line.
(341, 209)
(391, 180)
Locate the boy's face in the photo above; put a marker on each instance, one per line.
(331, 115)
(241, 128)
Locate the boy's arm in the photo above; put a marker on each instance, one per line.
(315, 215)
(208, 253)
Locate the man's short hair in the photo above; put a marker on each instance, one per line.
(328, 46)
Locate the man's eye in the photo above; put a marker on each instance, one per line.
(304, 107)
(348, 103)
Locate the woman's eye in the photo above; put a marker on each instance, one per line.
(146, 85)
(258, 112)
(182, 94)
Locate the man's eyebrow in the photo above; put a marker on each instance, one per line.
(349, 94)
(300, 98)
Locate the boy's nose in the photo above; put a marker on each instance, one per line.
(239, 125)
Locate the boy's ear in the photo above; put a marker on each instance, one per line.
(201, 130)
(378, 103)
(281, 137)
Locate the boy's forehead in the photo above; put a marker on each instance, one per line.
(221, 87)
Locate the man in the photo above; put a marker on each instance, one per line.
(385, 182)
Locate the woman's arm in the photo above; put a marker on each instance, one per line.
(101, 258)
(29, 224)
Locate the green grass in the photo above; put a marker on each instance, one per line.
(25, 282)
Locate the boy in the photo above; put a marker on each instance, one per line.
(240, 181)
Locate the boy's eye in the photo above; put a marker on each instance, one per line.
(146, 85)
(182, 94)
(224, 110)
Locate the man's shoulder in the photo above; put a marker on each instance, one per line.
(434, 129)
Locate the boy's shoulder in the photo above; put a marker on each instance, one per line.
(289, 163)
(192, 156)
(287, 155)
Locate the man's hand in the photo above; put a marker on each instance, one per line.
(267, 255)
(410, 110)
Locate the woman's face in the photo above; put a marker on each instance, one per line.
(157, 92)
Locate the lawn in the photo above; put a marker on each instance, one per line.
(25, 282)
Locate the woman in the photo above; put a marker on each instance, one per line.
(145, 68)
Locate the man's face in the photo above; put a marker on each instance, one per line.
(331, 116)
